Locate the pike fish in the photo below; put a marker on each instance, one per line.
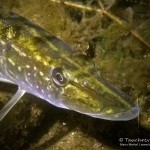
(43, 65)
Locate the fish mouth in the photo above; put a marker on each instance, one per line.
(109, 104)
(123, 116)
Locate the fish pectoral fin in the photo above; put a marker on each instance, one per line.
(6, 80)
(11, 103)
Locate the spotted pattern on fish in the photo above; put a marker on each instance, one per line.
(45, 66)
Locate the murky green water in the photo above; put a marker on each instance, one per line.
(121, 58)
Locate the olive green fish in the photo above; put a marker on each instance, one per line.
(43, 65)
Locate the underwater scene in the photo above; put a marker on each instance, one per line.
(74, 74)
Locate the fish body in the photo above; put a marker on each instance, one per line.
(43, 65)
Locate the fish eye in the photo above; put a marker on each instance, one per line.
(59, 77)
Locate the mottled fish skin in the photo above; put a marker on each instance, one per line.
(43, 65)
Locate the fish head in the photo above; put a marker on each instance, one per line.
(86, 93)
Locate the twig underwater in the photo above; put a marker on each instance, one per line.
(107, 13)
